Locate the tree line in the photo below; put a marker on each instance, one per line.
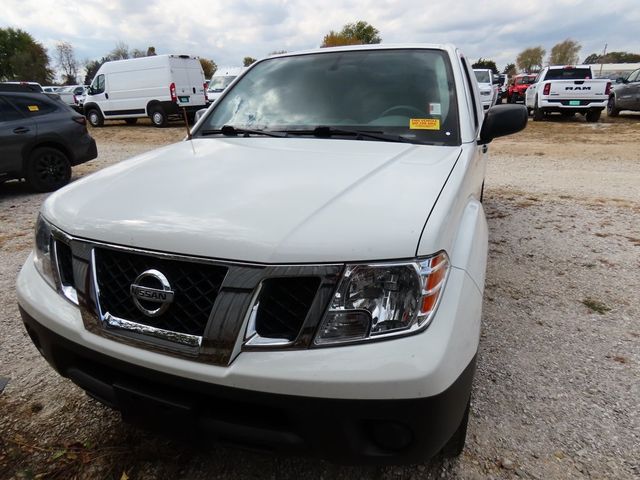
(22, 57)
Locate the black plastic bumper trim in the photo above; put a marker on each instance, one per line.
(341, 430)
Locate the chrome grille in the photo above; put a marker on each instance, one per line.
(196, 287)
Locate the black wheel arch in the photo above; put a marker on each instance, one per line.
(92, 106)
(152, 105)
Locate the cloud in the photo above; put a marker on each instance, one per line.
(226, 31)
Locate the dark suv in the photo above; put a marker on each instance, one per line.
(625, 95)
(40, 139)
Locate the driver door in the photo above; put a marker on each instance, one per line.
(627, 92)
(16, 132)
(98, 93)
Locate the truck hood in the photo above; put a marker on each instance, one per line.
(262, 200)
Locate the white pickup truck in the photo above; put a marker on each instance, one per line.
(305, 272)
(567, 90)
(488, 89)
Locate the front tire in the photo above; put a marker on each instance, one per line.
(612, 111)
(158, 117)
(95, 117)
(593, 116)
(47, 169)
(538, 114)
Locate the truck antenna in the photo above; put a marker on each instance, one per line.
(186, 122)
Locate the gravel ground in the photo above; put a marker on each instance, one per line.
(557, 390)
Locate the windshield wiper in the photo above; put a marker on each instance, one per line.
(231, 131)
(322, 131)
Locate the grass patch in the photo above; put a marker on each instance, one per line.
(595, 306)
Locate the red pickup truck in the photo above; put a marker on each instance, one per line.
(519, 86)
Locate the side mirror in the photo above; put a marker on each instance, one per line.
(503, 120)
(199, 114)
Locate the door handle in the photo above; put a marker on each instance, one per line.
(21, 130)
(106, 95)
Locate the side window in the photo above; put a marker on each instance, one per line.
(8, 113)
(635, 76)
(472, 92)
(32, 107)
(98, 84)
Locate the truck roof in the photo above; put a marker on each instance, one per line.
(562, 67)
(377, 46)
(151, 59)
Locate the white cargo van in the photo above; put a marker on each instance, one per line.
(155, 87)
(221, 80)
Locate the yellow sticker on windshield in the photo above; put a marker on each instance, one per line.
(33, 108)
(424, 124)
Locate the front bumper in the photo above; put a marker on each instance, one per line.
(344, 431)
(340, 402)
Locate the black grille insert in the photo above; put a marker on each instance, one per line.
(283, 306)
(195, 287)
(64, 258)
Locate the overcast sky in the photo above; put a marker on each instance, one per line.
(227, 31)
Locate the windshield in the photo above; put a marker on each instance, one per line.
(220, 83)
(482, 76)
(407, 93)
(568, 73)
(525, 80)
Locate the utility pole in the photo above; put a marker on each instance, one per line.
(604, 52)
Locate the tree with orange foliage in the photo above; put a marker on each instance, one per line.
(356, 33)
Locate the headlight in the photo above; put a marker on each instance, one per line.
(42, 258)
(380, 300)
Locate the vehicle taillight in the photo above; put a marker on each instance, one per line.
(547, 89)
(607, 90)
(75, 100)
(206, 97)
(172, 91)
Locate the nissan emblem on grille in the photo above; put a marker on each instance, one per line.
(146, 296)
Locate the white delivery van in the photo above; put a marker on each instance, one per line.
(156, 87)
(221, 80)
